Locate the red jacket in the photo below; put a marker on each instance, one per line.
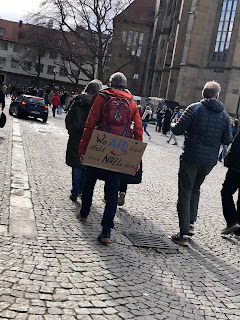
(96, 111)
(56, 100)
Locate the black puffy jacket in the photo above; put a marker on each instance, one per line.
(206, 126)
(232, 159)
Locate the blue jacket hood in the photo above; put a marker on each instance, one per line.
(213, 104)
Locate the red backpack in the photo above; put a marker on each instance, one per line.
(116, 116)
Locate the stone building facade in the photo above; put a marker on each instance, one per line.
(206, 47)
(131, 43)
(186, 44)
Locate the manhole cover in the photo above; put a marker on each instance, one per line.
(156, 241)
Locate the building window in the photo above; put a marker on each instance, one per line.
(3, 45)
(59, 42)
(225, 28)
(2, 31)
(131, 44)
(16, 47)
(2, 61)
(140, 42)
(75, 73)
(123, 43)
(14, 64)
(53, 55)
(63, 72)
(28, 65)
(52, 70)
(20, 35)
(40, 67)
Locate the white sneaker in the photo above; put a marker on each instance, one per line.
(121, 199)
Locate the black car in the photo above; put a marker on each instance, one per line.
(26, 105)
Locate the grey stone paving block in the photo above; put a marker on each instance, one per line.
(55, 311)
(35, 317)
(84, 317)
(19, 213)
(21, 202)
(20, 185)
(23, 228)
(82, 311)
(8, 314)
(3, 230)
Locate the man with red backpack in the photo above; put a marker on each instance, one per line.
(113, 111)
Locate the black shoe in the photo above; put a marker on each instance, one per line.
(231, 228)
(237, 233)
(104, 238)
(181, 239)
(73, 199)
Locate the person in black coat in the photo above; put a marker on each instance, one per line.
(166, 120)
(2, 98)
(75, 122)
(230, 186)
(160, 115)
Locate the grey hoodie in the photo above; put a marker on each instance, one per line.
(206, 126)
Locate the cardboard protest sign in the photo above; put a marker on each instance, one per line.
(115, 153)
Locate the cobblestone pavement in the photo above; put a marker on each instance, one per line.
(64, 273)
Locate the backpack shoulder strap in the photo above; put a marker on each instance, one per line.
(105, 94)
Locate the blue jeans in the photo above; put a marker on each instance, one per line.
(78, 179)
(230, 186)
(172, 136)
(223, 153)
(145, 124)
(190, 179)
(112, 182)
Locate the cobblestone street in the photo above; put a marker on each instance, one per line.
(53, 267)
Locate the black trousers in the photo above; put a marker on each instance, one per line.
(230, 186)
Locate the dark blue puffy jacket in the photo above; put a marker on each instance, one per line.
(206, 126)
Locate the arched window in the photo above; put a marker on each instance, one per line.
(225, 28)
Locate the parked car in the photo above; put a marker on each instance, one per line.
(26, 105)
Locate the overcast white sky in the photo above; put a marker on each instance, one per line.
(15, 10)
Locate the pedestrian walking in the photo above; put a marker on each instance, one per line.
(160, 114)
(230, 186)
(146, 117)
(166, 120)
(55, 103)
(206, 125)
(75, 122)
(2, 98)
(102, 116)
(175, 117)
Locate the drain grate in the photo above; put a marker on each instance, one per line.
(156, 241)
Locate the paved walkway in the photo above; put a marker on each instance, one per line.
(52, 266)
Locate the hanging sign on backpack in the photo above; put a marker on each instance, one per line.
(115, 153)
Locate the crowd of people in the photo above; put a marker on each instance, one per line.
(206, 127)
(59, 100)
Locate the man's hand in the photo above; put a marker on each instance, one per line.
(82, 157)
